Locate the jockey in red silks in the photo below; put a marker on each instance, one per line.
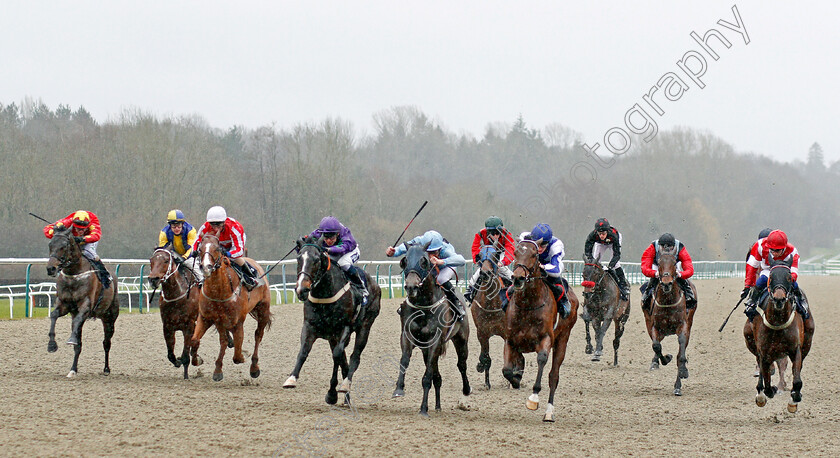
(774, 246)
(231, 237)
(650, 269)
(605, 240)
(494, 234)
(86, 232)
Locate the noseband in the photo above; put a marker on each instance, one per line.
(312, 279)
(530, 275)
(63, 262)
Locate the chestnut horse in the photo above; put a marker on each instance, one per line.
(329, 313)
(781, 332)
(225, 302)
(487, 313)
(80, 293)
(668, 316)
(428, 322)
(534, 325)
(178, 302)
(603, 305)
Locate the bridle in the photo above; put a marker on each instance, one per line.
(673, 283)
(530, 271)
(788, 289)
(320, 276)
(170, 271)
(63, 262)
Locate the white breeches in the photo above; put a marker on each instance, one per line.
(605, 252)
(348, 259)
(504, 272)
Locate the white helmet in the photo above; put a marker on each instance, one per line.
(216, 214)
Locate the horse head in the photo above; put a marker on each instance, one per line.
(667, 269)
(163, 264)
(593, 274)
(526, 263)
(211, 254)
(64, 251)
(417, 268)
(488, 262)
(780, 284)
(312, 264)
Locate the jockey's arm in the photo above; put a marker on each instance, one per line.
(616, 249)
(647, 262)
(162, 239)
(589, 245)
(192, 236)
(476, 246)
(687, 265)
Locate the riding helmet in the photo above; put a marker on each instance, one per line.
(777, 240)
(764, 232)
(81, 219)
(493, 222)
(602, 225)
(329, 224)
(216, 214)
(541, 233)
(667, 240)
(436, 242)
(175, 216)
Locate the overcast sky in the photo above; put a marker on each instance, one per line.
(583, 64)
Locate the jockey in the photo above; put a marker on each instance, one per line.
(605, 241)
(181, 236)
(551, 261)
(442, 255)
(650, 269)
(495, 235)
(231, 237)
(87, 232)
(341, 245)
(775, 245)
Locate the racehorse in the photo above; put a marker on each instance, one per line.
(488, 316)
(329, 313)
(534, 325)
(602, 304)
(178, 302)
(780, 332)
(428, 322)
(487, 313)
(80, 293)
(224, 302)
(668, 316)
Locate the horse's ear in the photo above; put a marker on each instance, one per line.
(426, 246)
(403, 263)
(598, 258)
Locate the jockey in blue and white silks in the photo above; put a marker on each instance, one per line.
(550, 256)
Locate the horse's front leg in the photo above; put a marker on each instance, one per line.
(656, 344)
(781, 364)
(108, 326)
(484, 360)
(340, 357)
(169, 338)
(428, 376)
(407, 346)
(796, 389)
(78, 321)
(618, 326)
(601, 329)
(307, 338)
(185, 353)
(460, 340)
(238, 338)
(57, 312)
(511, 369)
(332, 394)
(542, 357)
(682, 370)
(195, 341)
(589, 349)
(218, 375)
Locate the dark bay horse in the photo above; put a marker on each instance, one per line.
(669, 316)
(178, 302)
(329, 313)
(534, 325)
(225, 302)
(781, 332)
(603, 305)
(487, 313)
(79, 293)
(428, 322)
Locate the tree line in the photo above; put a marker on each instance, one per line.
(279, 181)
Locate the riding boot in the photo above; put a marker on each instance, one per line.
(248, 275)
(801, 304)
(690, 298)
(357, 278)
(449, 290)
(506, 294)
(565, 308)
(622, 283)
(469, 294)
(750, 306)
(647, 293)
(101, 272)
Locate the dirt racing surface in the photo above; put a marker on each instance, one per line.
(145, 407)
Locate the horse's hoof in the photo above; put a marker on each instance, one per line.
(654, 366)
(230, 340)
(588, 350)
(677, 392)
(487, 385)
(331, 398)
(533, 402)
(596, 357)
(549, 414)
(71, 374)
(255, 374)
(218, 377)
(197, 361)
(345, 386)
(106, 371)
(464, 403)
(667, 359)
(760, 400)
(398, 393)
(238, 360)
(756, 373)
(52, 347)
(73, 341)
(290, 382)
(176, 363)
(796, 396)
(792, 407)
(424, 414)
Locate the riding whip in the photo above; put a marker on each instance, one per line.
(409, 223)
(275, 264)
(42, 219)
(730, 314)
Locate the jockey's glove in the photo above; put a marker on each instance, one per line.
(745, 292)
(79, 239)
(334, 249)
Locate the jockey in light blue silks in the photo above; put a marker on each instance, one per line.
(443, 255)
(551, 261)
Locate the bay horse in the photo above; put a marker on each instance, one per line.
(781, 332)
(534, 325)
(178, 302)
(79, 293)
(329, 313)
(487, 313)
(603, 305)
(428, 321)
(668, 316)
(225, 302)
